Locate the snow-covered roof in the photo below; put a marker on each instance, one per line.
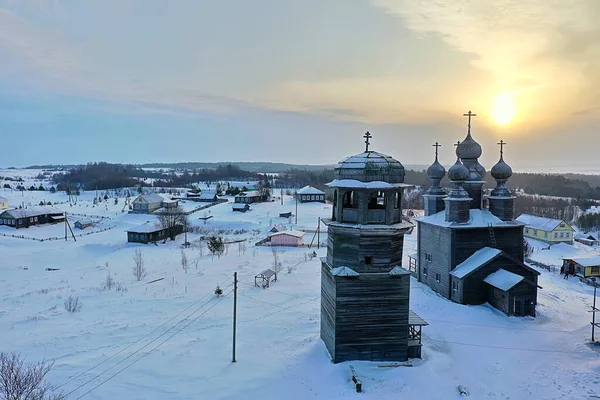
(476, 260)
(593, 261)
(310, 190)
(371, 158)
(477, 219)
(33, 211)
(343, 271)
(414, 256)
(3, 198)
(356, 184)
(541, 223)
(147, 227)
(239, 206)
(397, 270)
(151, 198)
(278, 228)
(248, 194)
(503, 279)
(84, 221)
(207, 195)
(297, 234)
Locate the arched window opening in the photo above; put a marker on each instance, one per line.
(377, 201)
(350, 200)
(334, 208)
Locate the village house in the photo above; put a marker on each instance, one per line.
(466, 252)
(208, 195)
(547, 230)
(149, 203)
(34, 215)
(589, 239)
(83, 223)
(586, 267)
(241, 207)
(310, 194)
(249, 197)
(287, 238)
(151, 231)
(278, 228)
(3, 203)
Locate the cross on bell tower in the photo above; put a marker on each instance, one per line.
(367, 136)
(469, 114)
(501, 143)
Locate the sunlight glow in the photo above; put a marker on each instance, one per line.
(503, 109)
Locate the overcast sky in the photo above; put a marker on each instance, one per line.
(296, 81)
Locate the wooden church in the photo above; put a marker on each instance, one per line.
(466, 252)
(364, 291)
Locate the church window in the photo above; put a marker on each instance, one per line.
(428, 257)
(377, 200)
(438, 278)
(368, 260)
(350, 200)
(454, 286)
(425, 271)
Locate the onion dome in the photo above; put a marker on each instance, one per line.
(370, 166)
(458, 172)
(480, 170)
(469, 148)
(436, 170)
(501, 171)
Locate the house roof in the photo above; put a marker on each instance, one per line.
(208, 195)
(297, 234)
(3, 198)
(240, 205)
(503, 279)
(477, 219)
(310, 190)
(475, 261)
(151, 198)
(147, 227)
(593, 261)
(398, 270)
(33, 211)
(84, 221)
(541, 223)
(343, 271)
(248, 194)
(278, 228)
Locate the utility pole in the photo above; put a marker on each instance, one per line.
(235, 282)
(594, 310)
(296, 196)
(319, 234)
(65, 226)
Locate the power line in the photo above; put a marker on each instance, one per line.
(508, 348)
(151, 350)
(499, 327)
(278, 306)
(139, 340)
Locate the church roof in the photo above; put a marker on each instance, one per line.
(469, 148)
(344, 271)
(477, 219)
(370, 166)
(475, 261)
(503, 279)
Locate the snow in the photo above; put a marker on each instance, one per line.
(356, 184)
(343, 271)
(541, 223)
(148, 227)
(593, 261)
(397, 270)
(186, 329)
(151, 198)
(310, 190)
(477, 219)
(33, 211)
(477, 259)
(503, 279)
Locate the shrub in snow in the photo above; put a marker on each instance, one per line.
(20, 380)
(218, 291)
(216, 245)
(184, 262)
(109, 283)
(72, 304)
(139, 271)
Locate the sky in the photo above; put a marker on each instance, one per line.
(298, 81)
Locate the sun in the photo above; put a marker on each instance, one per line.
(503, 109)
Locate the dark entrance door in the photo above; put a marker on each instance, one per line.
(518, 306)
(523, 306)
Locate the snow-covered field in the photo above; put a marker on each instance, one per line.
(172, 339)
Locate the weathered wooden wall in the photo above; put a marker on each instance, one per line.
(468, 241)
(436, 241)
(328, 295)
(501, 301)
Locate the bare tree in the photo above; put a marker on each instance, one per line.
(184, 261)
(201, 248)
(276, 263)
(174, 220)
(20, 380)
(139, 271)
(72, 304)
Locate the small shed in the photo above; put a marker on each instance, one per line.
(278, 228)
(504, 290)
(310, 194)
(585, 266)
(83, 223)
(240, 207)
(265, 278)
(287, 238)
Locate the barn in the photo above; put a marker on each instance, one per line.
(150, 231)
(208, 196)
(35, 215)
(287, 238)
(83, 223)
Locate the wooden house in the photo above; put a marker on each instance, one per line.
(83, 223)
(3, 203)
(149, 203)
(151, 231)
(35, 215)
(249, 197)
(208, 196)
(364, 291)
(287, 238)
(586, 267)
(470, 254)
(547, 230)
(310, 194)
(241, 207)
(589, 239)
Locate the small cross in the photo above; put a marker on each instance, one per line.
(367, 136)
(501, 143)
(457, 143)
(436, 145)
(469, 114)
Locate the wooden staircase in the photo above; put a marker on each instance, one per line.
(492, 236)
